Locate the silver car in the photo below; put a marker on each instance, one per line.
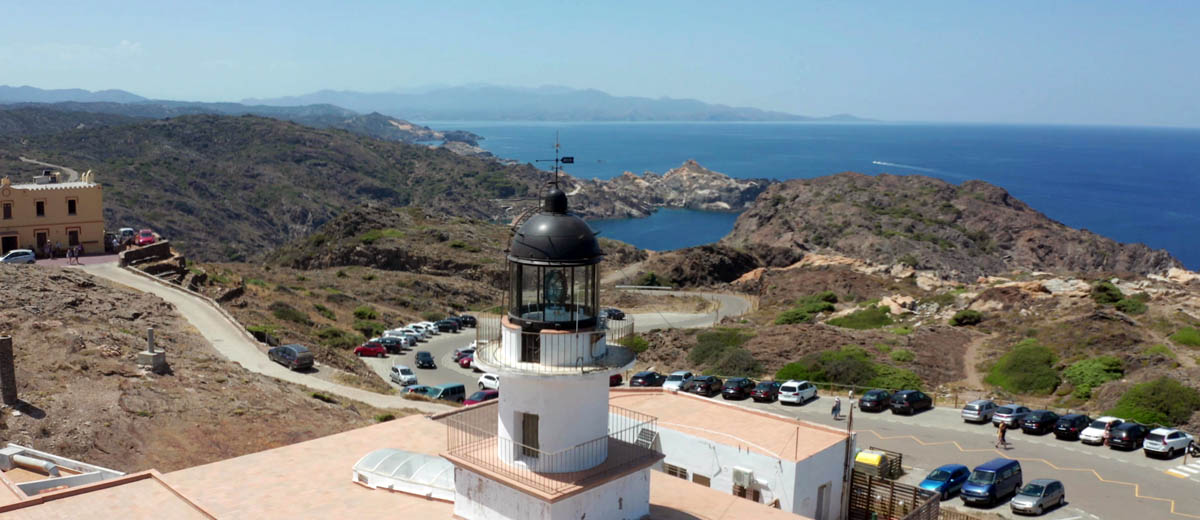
(980, 411)
(1011, 414)
(18, 256)
(1038, 495)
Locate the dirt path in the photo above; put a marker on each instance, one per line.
(72, 175)
(971, 357)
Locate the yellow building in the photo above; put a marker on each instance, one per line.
(47, 211)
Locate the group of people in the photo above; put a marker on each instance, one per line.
(73, 252)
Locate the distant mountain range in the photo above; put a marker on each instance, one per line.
(26, 94)
(496, 103)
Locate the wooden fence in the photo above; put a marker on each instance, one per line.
(881, 499)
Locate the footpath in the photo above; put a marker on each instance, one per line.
(230, 340)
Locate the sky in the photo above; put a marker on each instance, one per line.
(1063, 62)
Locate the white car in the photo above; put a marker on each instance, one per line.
(798, 392)
(491, 381)
(403, 376)
(419, 332)
(428, 325)
(1166, 442)
(18, 256)
(676, 380)
(1094, 433)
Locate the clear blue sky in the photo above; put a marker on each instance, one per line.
(1087, 62)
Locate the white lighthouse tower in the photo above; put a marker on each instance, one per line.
(552, 447)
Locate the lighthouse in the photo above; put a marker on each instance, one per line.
(552, 446)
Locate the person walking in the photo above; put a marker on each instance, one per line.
(837, 407)
(69, 251)
(1107, 432)
(1000, 435)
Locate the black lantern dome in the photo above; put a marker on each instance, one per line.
(553, 269)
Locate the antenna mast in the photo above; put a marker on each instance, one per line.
(558, 161)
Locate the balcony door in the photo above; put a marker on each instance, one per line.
(529, 434)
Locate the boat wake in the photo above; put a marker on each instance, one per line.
(906, 167)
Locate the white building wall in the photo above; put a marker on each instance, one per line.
(794, 484)
(571, 410)
(480, 498)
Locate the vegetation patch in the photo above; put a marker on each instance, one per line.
(384, 417)
(334, 337)
(1131, 306)
(1187, 336)
(966, 317)
(1160, 350)
(369, 328)
(903, 356)
(1105, 293)
(635, 343)
(722, 351)
(901, 331)
(323, 397)
(1161, 401)
(324, 311)
(849, 365)
(432, 315)
(283, 311)
(374, 235)
(366, 312)
(872, 317)
(652, 279)
(1092, 372)
(1026, 369)
(807, 308)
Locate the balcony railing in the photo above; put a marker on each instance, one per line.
(551, 352)
(471, 437)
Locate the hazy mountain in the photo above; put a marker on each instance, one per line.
(550, 103)
(27, 94)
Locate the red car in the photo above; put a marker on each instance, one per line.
(466, 361)
(371, 348)
(144, 237)
(482, 396)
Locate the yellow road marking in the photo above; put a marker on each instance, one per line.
(1137, 491)
(1178, 474)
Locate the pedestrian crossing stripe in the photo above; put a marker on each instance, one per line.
(1178, 474)
(1188, 469)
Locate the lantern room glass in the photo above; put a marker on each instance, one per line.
(553, 296)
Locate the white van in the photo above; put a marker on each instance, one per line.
(403, 376)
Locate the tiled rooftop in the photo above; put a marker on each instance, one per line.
(54, 186)
(141, 495)
(761, 432)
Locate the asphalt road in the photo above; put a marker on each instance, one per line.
(1101, 483)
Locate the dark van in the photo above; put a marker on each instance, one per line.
(295, 357)
(990, 481)
(454, 392)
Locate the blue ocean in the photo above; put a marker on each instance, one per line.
(1127, 183)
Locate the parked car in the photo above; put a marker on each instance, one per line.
(875, 401)
(737, 388)
(371, 348)
(1038, 495)
(1165, 442)
(614, 314)
(457, 322)
(423, 331)
(990, 481)
(145, 237)
(467, 320)
(946, 480)
(403, 376)
(1039, 422)
(293, 356)
(909, 402)
(126, 233)
(647, 379)
(19, 256)
(407, 338)
(979, 411)
(467, 361)
(1071, 425)
(676, 380)
(418, 389)
(482, 396)
(446, 326)
(425, 359)
(1094, 433)
(427, 325)
(1010, 414)
(797, 392)
(1128, 436)
(463, 352)
(615, 380)
(392, 344)
(766, 391)
(491, 381)
(706, 386)
(454, 392)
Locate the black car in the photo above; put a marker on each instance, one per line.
(393, 344)
(766, 391)
(293, 356)
(1039, 422)
(875, 401)
(909, 402)
(614, 314)
(1069, 426)
(737, 388)
(457, 321)
(446, 326)
(647, 379)
(706, 386)
(467, 320)
(425, 359)
(1128, 436)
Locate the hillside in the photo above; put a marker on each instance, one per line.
(232, 187)
(960, 231)
(30, 120)
(75, 340)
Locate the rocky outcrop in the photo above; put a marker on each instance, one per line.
(690, 186)
(960, 231)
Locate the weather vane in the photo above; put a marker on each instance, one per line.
(558, 161)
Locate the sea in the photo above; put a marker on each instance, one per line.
(1132, 184)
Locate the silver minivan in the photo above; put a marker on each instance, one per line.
(979, 411)
(403, 376)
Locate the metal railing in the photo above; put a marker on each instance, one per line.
(551, 352)
(472, 436)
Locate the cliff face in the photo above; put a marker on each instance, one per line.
(689, 186)
(961, 231)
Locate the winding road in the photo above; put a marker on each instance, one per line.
(72, 175)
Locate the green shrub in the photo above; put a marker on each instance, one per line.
(1092, 372)
(256, 281)
(966, 317)
(799, 371)
(872, 317)
(714, 345)
(286, 312)
(909, 260)
(432, 315)
(1160, 350)
(458, 244)
(1162, 401)
(807, 308)
(323, 397)
(368, 277)
(793, 316)
(1187, 336)
(369, 328)
(903, 356)
(894, 378)
(1026, 369)
(374, 235)
(653, 280)
(262, 329)
(738, 362)
(301, 278)
(325, 311)
(901, 331)
(847, 366)
(366, 312)
(943, 299)
(341, 273)
(1131, 306)
(334, 337)
(635, 343)
(1105, 293)
(384, 417)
